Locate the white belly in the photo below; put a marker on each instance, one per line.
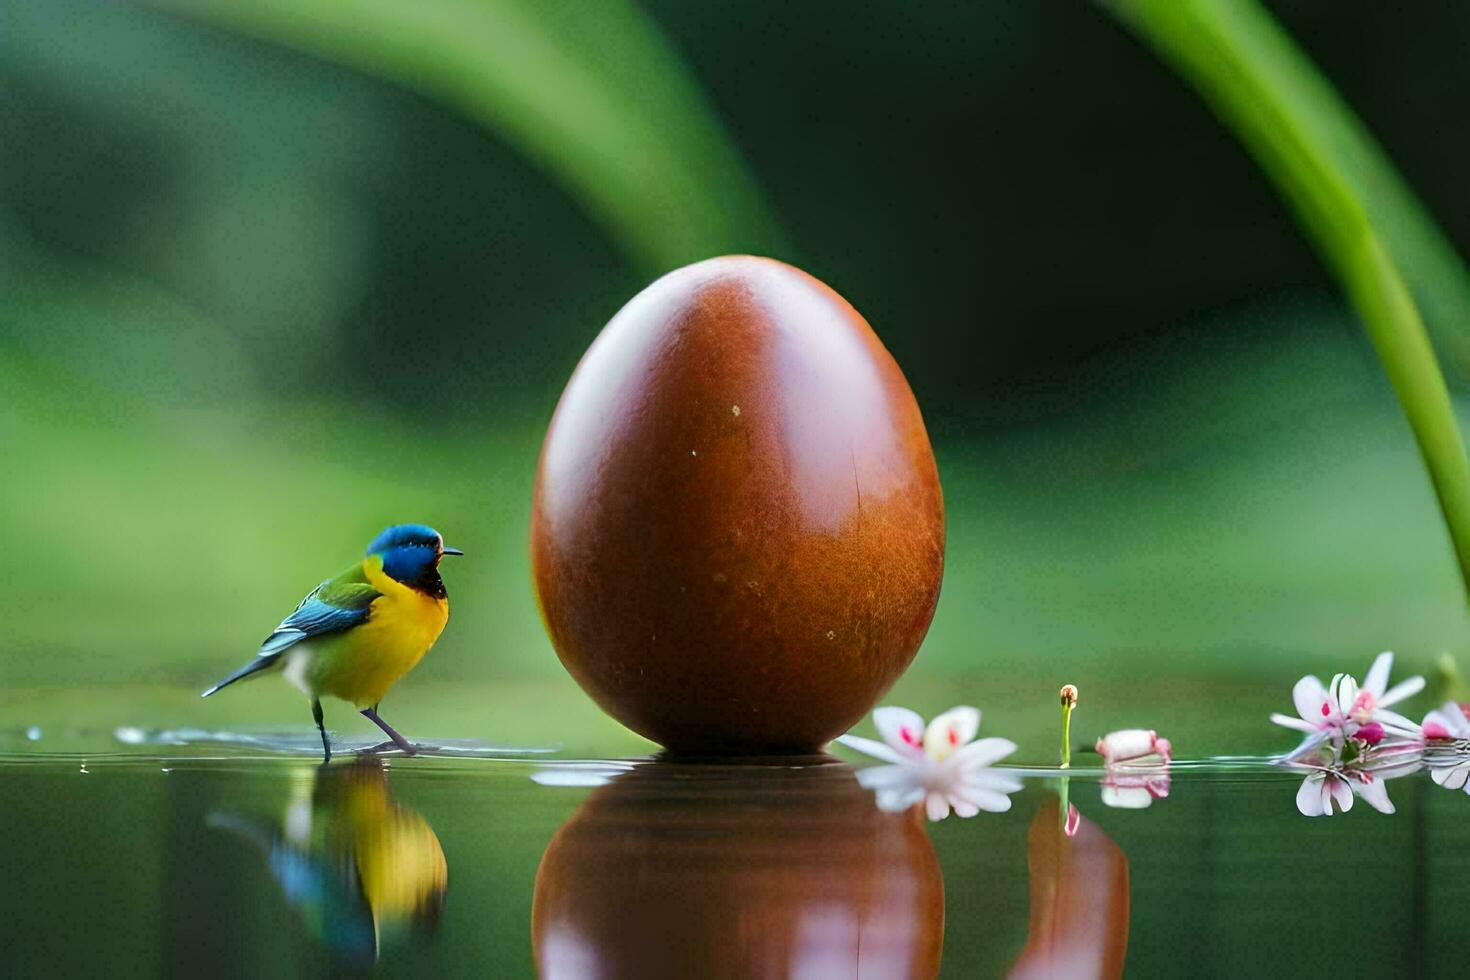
(298, 667)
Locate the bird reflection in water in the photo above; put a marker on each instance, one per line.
(1079, 899)
(675, 870)
(361, 871)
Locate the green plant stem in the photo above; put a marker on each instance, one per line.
(1066, 735)
(1267, 92)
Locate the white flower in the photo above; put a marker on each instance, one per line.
(1338, 710)
(1134, 748)
(1446, 734)
(939, 764)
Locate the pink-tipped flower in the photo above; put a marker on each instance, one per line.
(1341, 709)
(1134, 748)
(939, 764)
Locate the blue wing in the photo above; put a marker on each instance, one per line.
(331, 607)
(337, 604)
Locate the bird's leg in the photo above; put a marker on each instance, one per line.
(316, 714)
(371, 714)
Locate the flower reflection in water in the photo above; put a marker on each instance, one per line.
(687, 870)
(1079, 900)
(1446, 733)
(1331, 785)
(360, 870)
(939, 765)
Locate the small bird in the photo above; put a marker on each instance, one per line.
(355, 635)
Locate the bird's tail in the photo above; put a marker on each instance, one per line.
(262, 662)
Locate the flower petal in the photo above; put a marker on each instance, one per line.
(1455, 720)
(881, 777)
(1129, 743)
(1445, 719)
(949, 731)
(978, 755)
(1395, 723)
(1377, 679)
(996, 782)
(1290, 722)
(1346, 687)
(1309, 797)
(1310, 697)
(898, 799)
(1341, 792)
(900, 728)
(1406, 688)
(936, 806)
(1454, 777)
(963, 808)
(1126, 797)
(877, 750)
(1375, 791)
(986, 800)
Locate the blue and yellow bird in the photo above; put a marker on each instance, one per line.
(355, 635)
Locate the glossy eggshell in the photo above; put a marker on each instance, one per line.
(737, 534)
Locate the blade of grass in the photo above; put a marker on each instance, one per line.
(593, 92)
(1228, 47)
(1362, 220)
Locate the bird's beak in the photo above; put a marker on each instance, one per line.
(452, 551)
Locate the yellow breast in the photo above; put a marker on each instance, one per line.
(363, 663)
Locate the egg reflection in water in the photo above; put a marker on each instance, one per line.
(690, 871)
(359, 870)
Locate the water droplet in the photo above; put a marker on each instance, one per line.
(34, 733)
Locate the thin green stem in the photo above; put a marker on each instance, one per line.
(1268, 93)
(1066, 735)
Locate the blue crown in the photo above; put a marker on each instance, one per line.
(406, 536)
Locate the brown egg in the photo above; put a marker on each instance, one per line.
(703, 871)
(737, 537)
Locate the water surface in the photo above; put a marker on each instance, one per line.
(223, 860)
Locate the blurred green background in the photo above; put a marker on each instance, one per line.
(273, 276)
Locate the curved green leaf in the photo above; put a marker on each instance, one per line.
(592, 91)
(1362, 218)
